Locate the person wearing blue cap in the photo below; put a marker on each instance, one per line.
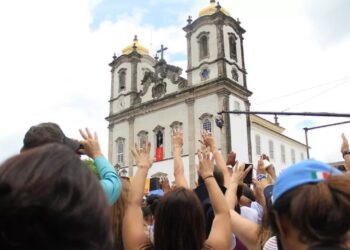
(311, 207)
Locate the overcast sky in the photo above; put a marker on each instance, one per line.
(54, 57)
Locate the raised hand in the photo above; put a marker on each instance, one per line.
(259, 192)
(177, 138)
(165, 184)
(261, 167)
(208, 140)
(141, 156)
(91, 146)
(239, 173)
(271, 171)
(345, 144)
(231, 159)
(206, 164)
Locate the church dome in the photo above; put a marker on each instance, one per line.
(139, 48)
(212, 9)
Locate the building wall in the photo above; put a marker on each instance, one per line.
(228, 29)
(163, 118)
(213, 73)
(212, 44)
(237, 65)
(213, 52)
(208, 104)
(278, 140)
(119, 130)
(239, 140)
(126, 66)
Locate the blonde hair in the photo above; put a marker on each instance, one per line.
(118, 211)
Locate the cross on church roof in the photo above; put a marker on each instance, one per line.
(161, 51)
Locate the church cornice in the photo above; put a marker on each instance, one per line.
(213, 19)
(184, 96)
(123, 94)
(129, 58)
(215, 61)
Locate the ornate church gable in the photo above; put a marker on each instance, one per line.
(164, 74)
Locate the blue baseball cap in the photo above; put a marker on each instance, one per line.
(303, 172)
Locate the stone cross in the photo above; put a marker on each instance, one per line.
(161, 51)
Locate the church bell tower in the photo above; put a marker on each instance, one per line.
(215, 46)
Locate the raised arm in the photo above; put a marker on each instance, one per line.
(134, 236)
(220, 234)
(180, 179)
(209, 141)
(237, 177)
(261, 172)
(109, 179)
(243, 228)
(345, 152)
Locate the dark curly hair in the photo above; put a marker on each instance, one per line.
(49, 199)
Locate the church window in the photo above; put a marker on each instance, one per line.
(271, 150)
(159, 142)
(207, 125)
(204, 74)
(176, 125)
(206, 120)
(234, 74)
(258, 144)
(203, 41)
(120, 151)
(143, 138)
(122, 79)
(233, 46)
(283, 154)
(292, 152)
(302, 156)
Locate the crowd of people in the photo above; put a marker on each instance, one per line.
(50, 199)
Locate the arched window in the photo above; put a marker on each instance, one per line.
(159, 138)
(203, 40)
(120, 150)
(176, 125)
(122, 79)
(233, 46)
(206, 122)
(204, 46)
(143, 138)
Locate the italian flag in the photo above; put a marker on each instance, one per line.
(319, 175)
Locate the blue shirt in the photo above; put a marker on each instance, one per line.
(109, 179)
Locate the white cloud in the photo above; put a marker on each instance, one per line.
(54, 68)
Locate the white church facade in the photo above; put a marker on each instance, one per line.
(149, 98)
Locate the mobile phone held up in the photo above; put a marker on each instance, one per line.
(249, 177)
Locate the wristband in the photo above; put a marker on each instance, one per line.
(347, 152)
(209, 176)
(260, 177)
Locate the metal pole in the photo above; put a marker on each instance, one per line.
(288, 113)
(307, 143)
